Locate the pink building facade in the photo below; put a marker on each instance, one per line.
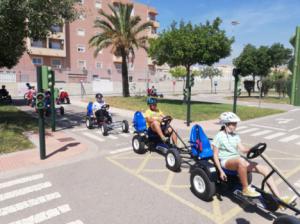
(67, 50)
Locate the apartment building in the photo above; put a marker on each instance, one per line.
(67, 50)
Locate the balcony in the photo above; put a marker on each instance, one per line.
(47, 52)
(117, 59)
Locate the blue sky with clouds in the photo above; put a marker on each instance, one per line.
(262, 22)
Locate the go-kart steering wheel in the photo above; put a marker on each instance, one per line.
(256, 150)
(166, 120)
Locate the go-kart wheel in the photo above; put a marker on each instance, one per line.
(286, 219)
(173, 159)
(138, 144)
(125, 126)
(62, 111)
(68, 100)
(104, 129)
(201, 185)
(89, 122)
(256, 150)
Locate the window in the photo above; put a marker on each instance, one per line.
(82, 64)
(81, 32)
(56, 44)
(132, 12)
(37, 61)
(38, 43)
(82, 16)
(118, 67)
(81, 48)
(56, 63)
(98, 4)
(56, 28)
(98, 65)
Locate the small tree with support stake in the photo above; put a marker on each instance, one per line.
(186, 44)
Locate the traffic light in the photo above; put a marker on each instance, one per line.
(185, 94)
(50, 78)
(40, 97)
(47, 77)
(192, 81)
(236, 72)
(239, 91)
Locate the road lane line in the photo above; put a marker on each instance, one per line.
(269, 127)
(45, 215)
(23, 191)
(262, 133)
(248, 130)
(125, 135)
(79, 129)
(92, 136)
(21, 180)
(241, 127)
(289, 138)
(275, 135)
(121, 150)
(28, 204)
(112, 137)
(75, 222)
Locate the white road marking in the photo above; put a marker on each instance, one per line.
(45, 215)
(111, 137)
(298, 143)
(121, 150)
(76, 222)
(21, 180)
(80, 129)
(124, 135)
(28, 204)
(294, 110)
(261, 133)
(241, 127)
(294, 129)
(297, 184)
(94, 137)
(275, 135)
(25, 190)
(290, 138)
(283, 120)
(248, 130)
(269, 127)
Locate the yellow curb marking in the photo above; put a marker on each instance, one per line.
(169, 180)
(143, 164)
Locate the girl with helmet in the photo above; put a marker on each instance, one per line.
(227, 147)
(154, 117)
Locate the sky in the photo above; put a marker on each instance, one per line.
(261, 22)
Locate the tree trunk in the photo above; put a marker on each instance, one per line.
(125, 84)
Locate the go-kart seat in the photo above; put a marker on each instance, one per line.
(200, 144)
(89, 108)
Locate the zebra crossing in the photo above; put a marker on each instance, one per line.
(32, 193)
(269, 134)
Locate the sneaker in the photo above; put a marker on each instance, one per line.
(287, 200)
(164, 139)
(250, 192)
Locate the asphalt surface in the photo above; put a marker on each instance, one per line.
(115, 185)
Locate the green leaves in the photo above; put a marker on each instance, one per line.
(186, 44)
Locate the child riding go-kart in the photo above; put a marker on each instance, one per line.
(63, 97)
(98, 116)
(159, 135)
(5, 98)
(213, 168)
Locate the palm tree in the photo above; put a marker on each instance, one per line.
(123, 33)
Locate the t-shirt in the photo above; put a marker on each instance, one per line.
(97, 105)
(227, 144)
(153, 114)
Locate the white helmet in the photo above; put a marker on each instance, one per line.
(229, 117)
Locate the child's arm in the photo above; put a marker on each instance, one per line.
(242, 148)
(217, 163)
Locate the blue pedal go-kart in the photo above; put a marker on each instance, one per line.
(105, 123)
(145, 139)
(204, 178)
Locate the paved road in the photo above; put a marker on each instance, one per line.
(118, 186)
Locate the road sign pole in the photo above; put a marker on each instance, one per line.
(53, 112)
(235, 74)
(41, 117)
(188, 112)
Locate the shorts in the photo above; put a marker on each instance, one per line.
(224, 160)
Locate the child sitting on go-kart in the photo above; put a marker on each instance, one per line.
(226, 146)
(154, 117)
(100, 109)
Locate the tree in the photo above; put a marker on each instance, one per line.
(186, 44)
(279, 55)
(20, 19)
(123, 33)
(178, 72)
(210, 72)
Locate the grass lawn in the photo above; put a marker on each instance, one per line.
(200, 111)
(13, 123)
(267, 99)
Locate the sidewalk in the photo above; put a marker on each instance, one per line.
(59, 148)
